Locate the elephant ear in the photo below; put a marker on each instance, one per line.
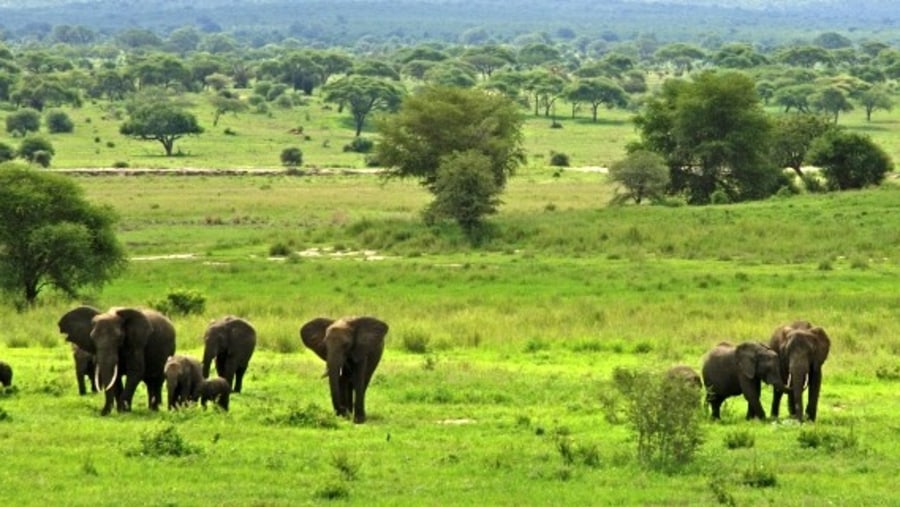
(77, 325)
(368, 330)
(746, 356)
(137, 327)
(822, 344)
(313, 335)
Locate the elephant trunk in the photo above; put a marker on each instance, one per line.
(334, 381)
(105, 374)
(208, 356)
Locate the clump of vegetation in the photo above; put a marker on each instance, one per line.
(739, 439)
(415, 342)
(347, 468)
(665, 416)
(6, 153)
(58, 122)
(4, 415)
(828, 441)
(559, 159)
(37, 150)
(292, 157)
(759, 477)
(181, 302)
(310, 416)
(162, 443)
(574, 454)
(360, 145)
(333, 491)
(280, 249)
(23, 121)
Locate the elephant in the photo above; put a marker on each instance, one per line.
(802, 349)
(218, 390)
(351, 348)
(230, 341)
(84, 367)
(184, 376)
(684, 374)
(6, 373)
(730, 371)
(129, 342)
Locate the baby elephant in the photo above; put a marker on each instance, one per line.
(184, 376)
(216, 389)
(686, 374)
(5, 374)
(730, 371)
(84, 367)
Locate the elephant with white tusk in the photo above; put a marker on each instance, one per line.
(126, 342)
(802, 349)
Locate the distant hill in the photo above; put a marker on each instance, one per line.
(344, 22)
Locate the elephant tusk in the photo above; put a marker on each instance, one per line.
(113, 380)
(788, 383)
(97, 377)
(805, 382)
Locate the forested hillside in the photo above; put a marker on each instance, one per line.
(344, 22)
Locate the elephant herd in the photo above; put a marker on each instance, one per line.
(791, 362)
(118, 349)
(139, 345)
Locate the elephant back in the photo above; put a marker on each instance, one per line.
(160, 343)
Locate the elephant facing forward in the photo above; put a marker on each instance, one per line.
(351, 348)
(126, 342)
(216, 389)
(230, 341)
(730, 371)
(802, 349)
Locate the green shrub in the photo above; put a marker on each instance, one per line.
(181, 302)
(292, 157)
(23, 121)
(120, 164)
(664, 415)
(559, 159)
(7, 153)
(739, 439)
(311, 416)
(165, 442)
(42, 158)
(32, 145)
(829, 441)
(280, 250)
(333, 491)
(360, 145)
(58, 122)
(759, 477)
(415, 342)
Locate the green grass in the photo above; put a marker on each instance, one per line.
(498, 361)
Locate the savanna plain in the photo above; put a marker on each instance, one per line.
(496, 384)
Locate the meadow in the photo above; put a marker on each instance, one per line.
(496, 385)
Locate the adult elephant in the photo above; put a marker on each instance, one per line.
(802, 349)
(351, 348)
(230, 341)
(730, 371)
(128, 342)
(84, 367)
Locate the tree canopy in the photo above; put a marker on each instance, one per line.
(849, 160)
(164, 122)
(50, 236)
(364, 95)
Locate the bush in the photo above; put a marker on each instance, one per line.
(360, 145)
(181, 302)
(23, 121)
(415, 342)
(120, 164)
(59, 122)
(165, 442)
(7, 153)
(292, 157)
(739, 439)
(311, 416)
(559, 159)
(665, 416)
(280, 250)
(849, 160)
(32, 145)
(42, 158)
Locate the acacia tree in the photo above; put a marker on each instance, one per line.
(51, 236)
(364, 95)
(876, 97)
(714, 135)
(792, 136)
(443, 136)
(643, 174)
(164, 122)
(596, 91)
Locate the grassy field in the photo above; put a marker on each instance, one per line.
(495, 387)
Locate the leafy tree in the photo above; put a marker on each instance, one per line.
(163, 122)
(184, 40)
(7, 152)
(488, 58)
(451, 73)
(225, 103)
(23, 121)
(795, 97)
(832, 100)
(58, 122)
(545, 88)
(438, 122)
(876, 97)
(643, 174)
(714, 135)
(805, 56)
(376, 68)
(331, 63)
(51, 236)
(36, 149)
(114, 84)
(832, 40)
(539, 53)
(364, 95)
(792, 136)
(738, 55)
(292, 157)
(596, 91)
(161, 69)
(464, 190)
(680, 55)
(39, 90)
(849, 160)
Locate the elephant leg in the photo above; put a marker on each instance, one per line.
(776, 402)
(110, 396)
(812, 402)
(715, 405)
(359, 406)
(154, 393)
(750, 390)
(82, 389)
(238, 378)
